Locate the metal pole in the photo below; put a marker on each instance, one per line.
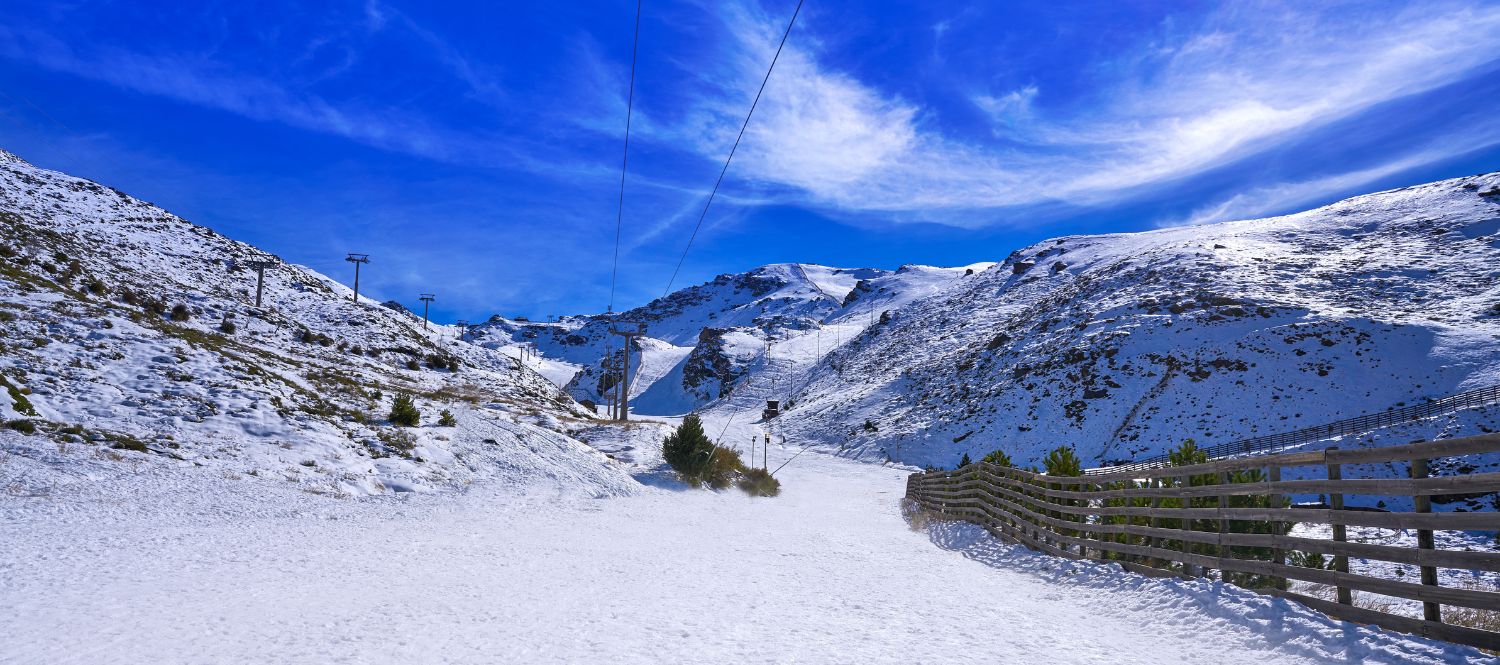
(260, 282)
(357, 259)
(260, 266)
(625, 384)
(426, 299)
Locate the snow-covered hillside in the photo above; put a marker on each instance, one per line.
(130, 337)
(1121, 345)
(703, 341)
(1125, 345)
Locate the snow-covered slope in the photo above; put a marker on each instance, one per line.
(131, 336)
(1124, 345)
(703, 341)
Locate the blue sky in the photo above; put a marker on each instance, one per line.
(473, 151)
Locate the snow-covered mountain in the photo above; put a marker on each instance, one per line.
(1121, 345)
(1124, 345)
(703, 341)
(130, 337)
(128, 329)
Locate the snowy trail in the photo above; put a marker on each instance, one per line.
(196, 569)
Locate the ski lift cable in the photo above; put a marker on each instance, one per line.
(625, 158)
(732, 150)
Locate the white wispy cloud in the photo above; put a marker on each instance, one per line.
(205, 81)
(1282, 196)
(1243, 80)
(1185, 99)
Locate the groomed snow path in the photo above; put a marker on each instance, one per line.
(185, 567)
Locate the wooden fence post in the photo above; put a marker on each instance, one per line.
(1186, 524)
(1155, 541)
(1278, 555)
(1336, 503)
(1430, 611)
(1224, 550)
(1083, 536)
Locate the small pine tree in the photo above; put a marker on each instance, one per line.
(446, 419)
(404, 411)
(1063, 462)
(965, 461)
(998, 458)
(1187, 454)
(684, 447)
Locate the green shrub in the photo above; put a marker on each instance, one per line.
(696, 459)
(446, 419)
(1063, 462)
(1187, 454)
(22, 426)
(127, 442)
(1309, 560)
(998, 458)
(759, 482)
(227, 327)
(404, 411)
(724, 466)
(179, 312)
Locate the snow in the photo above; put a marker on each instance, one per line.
(237, 388)
(1125, 345)
(175, 565)
(274, 516)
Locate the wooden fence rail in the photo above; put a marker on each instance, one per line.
(1233, 516)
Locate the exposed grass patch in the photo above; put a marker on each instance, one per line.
(18, 398)
(395, 440)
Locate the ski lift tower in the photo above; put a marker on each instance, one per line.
(260, 266)
(357, 260)
(426, 299)
(623, 386)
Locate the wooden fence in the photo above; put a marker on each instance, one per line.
(1280, 441)
(1234, 516)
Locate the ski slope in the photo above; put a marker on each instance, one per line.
(179, 566)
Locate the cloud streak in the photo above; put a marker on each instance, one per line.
(1174, 106)
(1193, 95)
